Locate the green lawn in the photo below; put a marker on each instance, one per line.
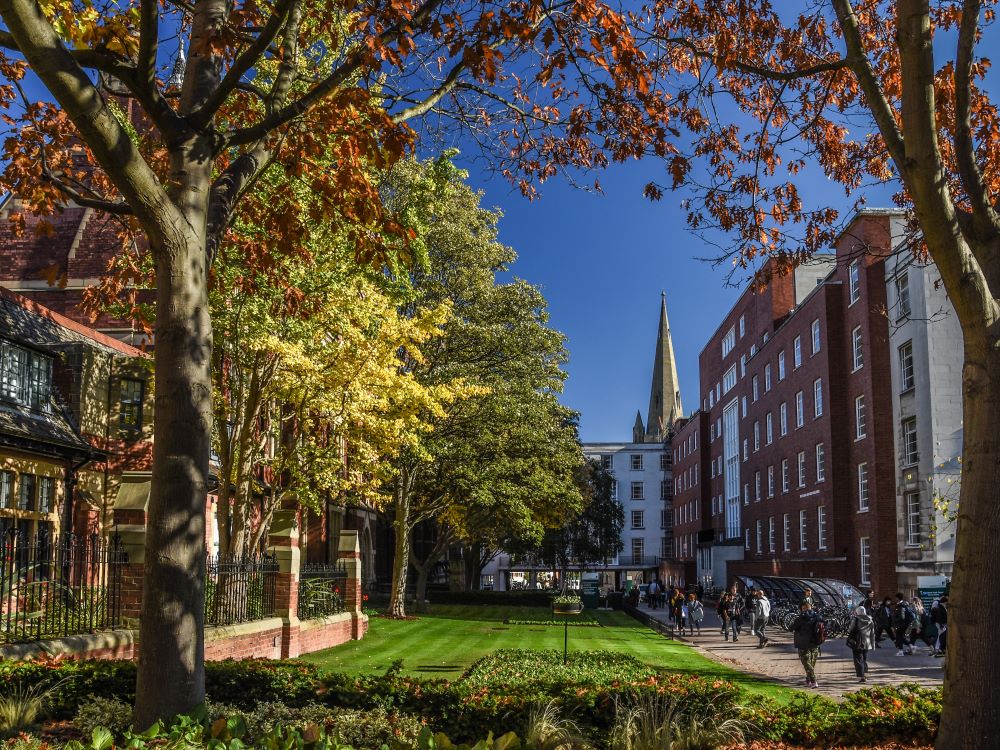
(445, 642)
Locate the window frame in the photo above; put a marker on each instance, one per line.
(854, 282)
(864, 488)
(857, 348)
(904, 355)
(910, 442)
(860, 417)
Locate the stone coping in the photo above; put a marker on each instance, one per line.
(222, 632)
(69, 645)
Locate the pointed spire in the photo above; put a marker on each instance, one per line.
(664, 391)
(176, 80)
(638, 431)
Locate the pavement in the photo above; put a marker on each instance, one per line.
(779, 661)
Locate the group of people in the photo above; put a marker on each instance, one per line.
(685, 610)
(909, 623)
(734, 609)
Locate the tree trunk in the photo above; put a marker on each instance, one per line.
(971, 712)
(171, 673)
(424, 568)
(401, 558)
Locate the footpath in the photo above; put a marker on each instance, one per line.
(779, 661)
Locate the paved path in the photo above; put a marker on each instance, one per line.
(779, 661)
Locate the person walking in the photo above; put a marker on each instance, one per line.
(922, 625)
(807, 598)
(883, 621)
(731, 617)
(720, 610)
(651, 593)
(939, 616)
(807, 640)
(699, 592)
(740, 609)
(761, 607)
(696, 613)
(861, 639)
(902, 621)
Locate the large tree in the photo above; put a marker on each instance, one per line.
(502, 457)
(751, 98)
(177, 157)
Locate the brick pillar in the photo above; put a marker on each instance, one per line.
(349, 554)
(283, 543)
(133, 541)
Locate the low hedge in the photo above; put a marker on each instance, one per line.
(491, 697)
(527, 598)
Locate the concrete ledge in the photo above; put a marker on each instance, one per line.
(222, 632)
(115, 643)
(322, 622)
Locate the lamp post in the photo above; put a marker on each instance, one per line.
(566, 606)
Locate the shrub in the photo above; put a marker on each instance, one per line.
(515, 668)
(528, 598)
(908, 713)
(111, 713)
(23, 705)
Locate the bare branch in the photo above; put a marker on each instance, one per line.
(149, 29)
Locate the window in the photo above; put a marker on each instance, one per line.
(821, 527)
(862, 487)
(130, 404)
(756, 481)
(815, 336)
(746, 449)
(606, 462)
(781, 365)
(746, 493)
(857, 346)
(729, 380)
(756, 436)
(753, 350)
(803, 531)
(756, 388)
(860, 420)
(786, 532)
(783, 418)
(818, 397)
(638, 550)
(25, 376)
(760, 537)
(769, 428)
(770, 481)
(743, 365)
(910, 453)
(712, 470)
(664, 519)
(6, 489)
(854, 280)
(728, 341)
(770, 534)
(614, 489)
(785, 478)
(746, 538)
(797, 352)
(903, 294)
(799, 410)
(802, 468)
(742, 326)
(711, 433)
(820, 462)
(743, 403)
(637, 522)
(906, 366)
(913, 519)
(767, 377)
(664, 490)
(636, 462)
(637, 493)
(46, 494)
(866, 560)
(666, 459)
(26, 496)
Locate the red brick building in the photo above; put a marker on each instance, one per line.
(691, 505)
(798, 404)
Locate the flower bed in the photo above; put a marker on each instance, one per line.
(517, 669)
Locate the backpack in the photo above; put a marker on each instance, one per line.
(819, 632)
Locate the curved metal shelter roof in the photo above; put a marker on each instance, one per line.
(825, 590)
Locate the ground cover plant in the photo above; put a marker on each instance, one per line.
(519, 668)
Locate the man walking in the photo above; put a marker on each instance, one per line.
(652, 591)
(761, 607)
(807, 635)
(902, 620)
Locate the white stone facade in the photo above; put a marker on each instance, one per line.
(926, 355)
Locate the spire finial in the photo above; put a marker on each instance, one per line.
(176, 80)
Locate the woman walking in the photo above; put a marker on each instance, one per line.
(861, 640)
(696, 613)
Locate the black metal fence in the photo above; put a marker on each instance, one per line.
(321, 590)
(239, 589)
(58, 586)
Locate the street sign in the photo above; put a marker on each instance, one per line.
(590, 590)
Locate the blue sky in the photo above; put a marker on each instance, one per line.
(602, 261)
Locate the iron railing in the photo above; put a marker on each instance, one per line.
(239, 589)
(321, 590)
(52, 587)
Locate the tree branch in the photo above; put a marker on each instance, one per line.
(225, 194)
(769, 73)
(35, 38)
(862, 68)
(249, 57)
(984, 218)
(337, 78)
(149, 29)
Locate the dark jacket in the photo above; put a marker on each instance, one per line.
(939, 614)
(902, 615)
(863, 628)
(803, 628)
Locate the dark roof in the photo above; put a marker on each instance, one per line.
(27, 322)
(42, 432)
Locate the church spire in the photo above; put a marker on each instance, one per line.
(664, 392)
(638, 430)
